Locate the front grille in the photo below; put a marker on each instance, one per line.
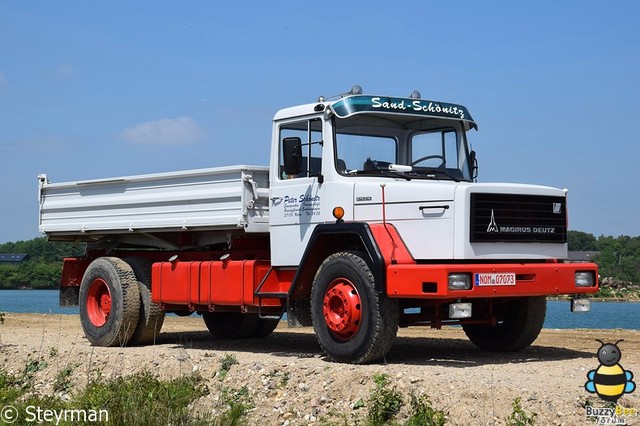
(518, 218)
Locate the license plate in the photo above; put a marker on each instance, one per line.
(503, 278)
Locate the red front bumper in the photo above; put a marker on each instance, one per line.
(532, 279)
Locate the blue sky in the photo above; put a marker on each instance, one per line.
(99, 89)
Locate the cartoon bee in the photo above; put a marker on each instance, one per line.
(610, 381)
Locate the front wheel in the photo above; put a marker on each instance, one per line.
(352, 322)
(109, 302)
(518, 325)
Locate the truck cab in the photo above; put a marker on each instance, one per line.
(351, 152)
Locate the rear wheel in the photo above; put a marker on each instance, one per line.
(352, 322)
(518, 325)
(264, 327)
(109, 302)
(230, 325)
(151, 316)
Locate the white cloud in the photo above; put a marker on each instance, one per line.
(168, 131)
(65, 71)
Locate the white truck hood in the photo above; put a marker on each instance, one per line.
(434, 218)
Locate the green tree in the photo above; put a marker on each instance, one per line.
(43, 267)
(39, 249)
(582, 241)
(8, 276)
(619, 258)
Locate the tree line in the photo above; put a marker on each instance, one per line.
(43, 267)
(617, 257)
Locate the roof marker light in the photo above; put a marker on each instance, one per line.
(356, 89)
(415, 95)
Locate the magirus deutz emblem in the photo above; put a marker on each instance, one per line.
(493, 227)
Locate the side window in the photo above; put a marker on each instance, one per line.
(310, 134)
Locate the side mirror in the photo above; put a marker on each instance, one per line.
(292, 151)
(473, 164)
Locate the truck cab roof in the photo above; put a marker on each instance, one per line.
(367, 104)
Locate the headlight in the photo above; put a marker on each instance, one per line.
(585, 279)
(460, 310)
(459, 281)
(580, 305)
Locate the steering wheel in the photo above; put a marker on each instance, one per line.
(429, 157)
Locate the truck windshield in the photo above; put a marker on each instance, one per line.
(401, 146)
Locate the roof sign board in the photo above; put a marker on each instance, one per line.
(385, 104)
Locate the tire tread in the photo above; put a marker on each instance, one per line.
(530, 314)
(385, 312)
(124, 293)
(151, 316)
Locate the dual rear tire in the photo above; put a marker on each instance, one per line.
(115, 303)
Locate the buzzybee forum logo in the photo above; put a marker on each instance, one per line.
(610, 381)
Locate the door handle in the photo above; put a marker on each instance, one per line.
(445, 206)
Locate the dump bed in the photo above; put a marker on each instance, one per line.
(224, 198)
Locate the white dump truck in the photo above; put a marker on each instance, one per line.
(368, 218)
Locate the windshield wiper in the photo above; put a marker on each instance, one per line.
(379, 171)
(431, 173)
(382, 167)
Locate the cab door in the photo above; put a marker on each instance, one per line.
(296, 199)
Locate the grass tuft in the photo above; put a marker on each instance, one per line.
(423, 413)
(140, 399)
(519, 416)
(143, 398)
(384, 402)
(227, 362)
(233, 406)
(62, 381)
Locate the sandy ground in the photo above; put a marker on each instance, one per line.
(290, 382)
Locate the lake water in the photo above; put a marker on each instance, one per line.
(625, 315)
(34, 301)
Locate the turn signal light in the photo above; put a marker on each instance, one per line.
(338, 213)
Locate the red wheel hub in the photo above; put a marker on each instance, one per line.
(342, 308)
(98, 302)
